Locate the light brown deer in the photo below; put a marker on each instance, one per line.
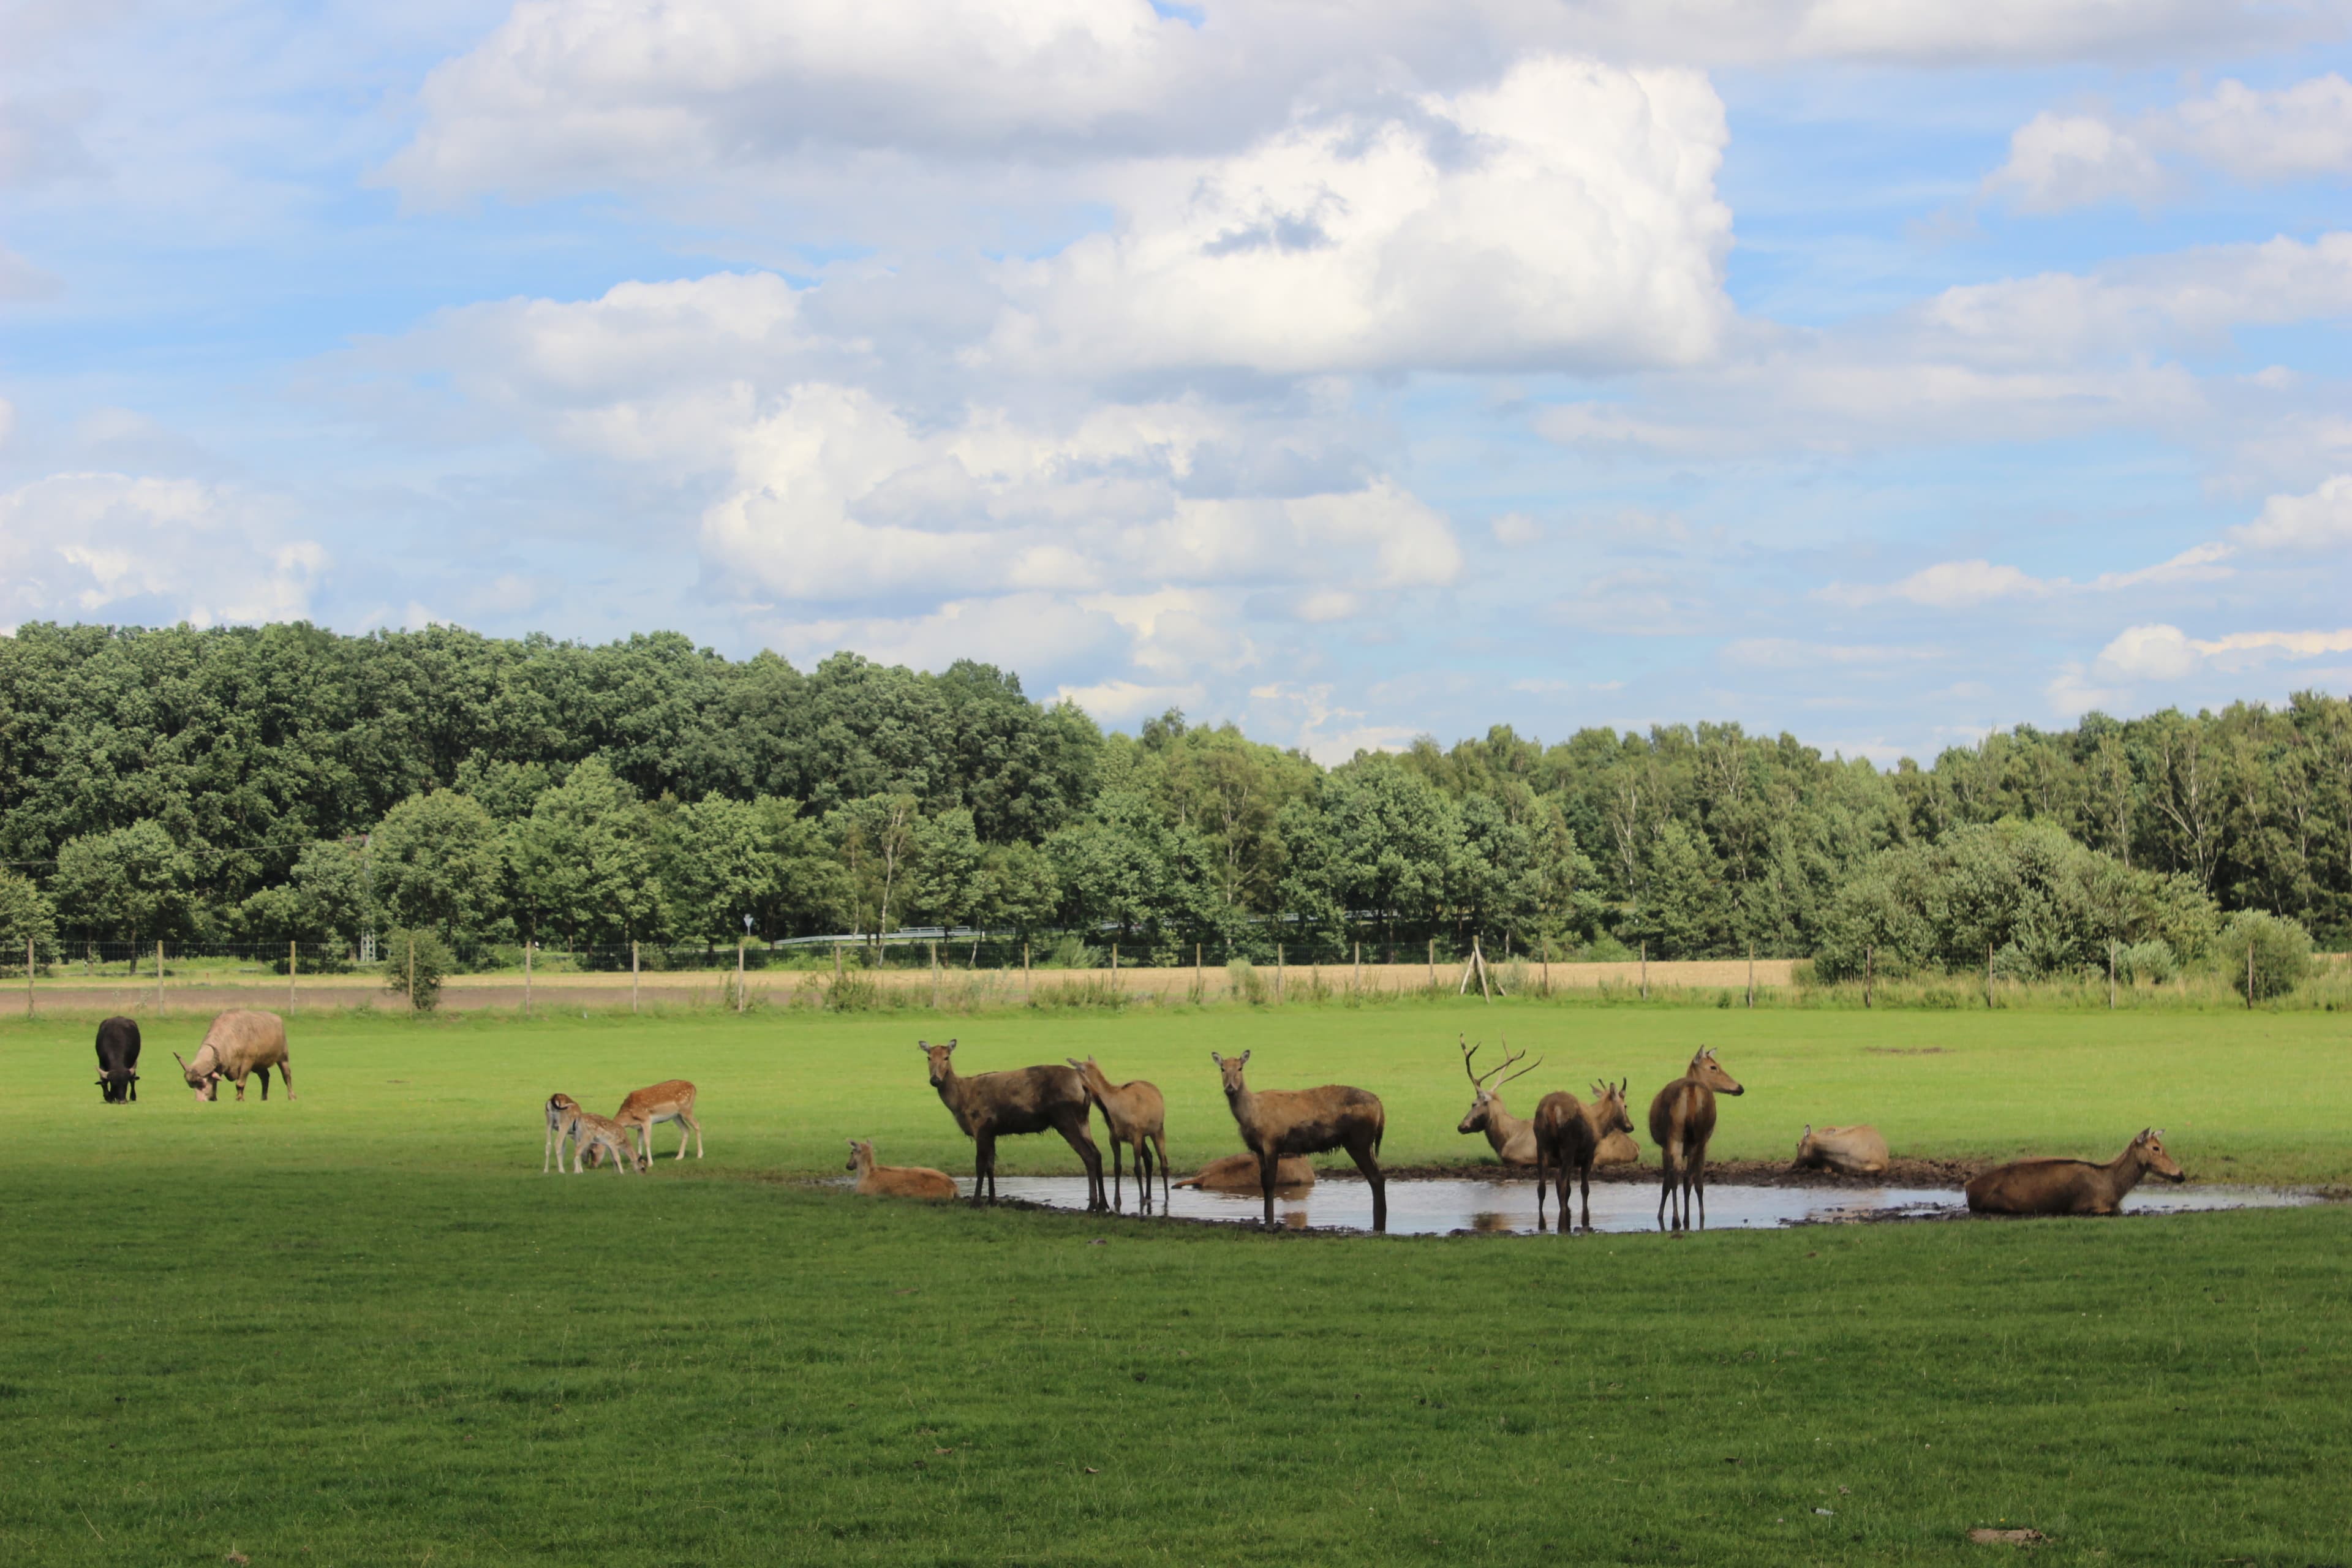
(2072, 1186)
(1241, 1173)
(1308, 1121)
(1136, 1117)
(993, 1105)
(604, 1138)
(1681, 1120)
(240, 1041)
(1569, 1135)
(896, 1181)
(671, 1100)
(561, 1107)
(1847, 1150)
(1513, 1137)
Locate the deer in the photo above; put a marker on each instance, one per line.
(1570, 1134)
(993, 1105)
(1308, 1121)
(672, 1101)
(603, 1137)
(1846, 1151)
(1513, 1137)
(2072, 1186)
(1682, 1120)
(561, 1109)
(1137, 1118)
(895, 1181)
(240, 1041)
(1241, 1174)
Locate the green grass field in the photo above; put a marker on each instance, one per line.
(362, 1328)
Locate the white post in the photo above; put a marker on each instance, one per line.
(739, 974)
(633, 976)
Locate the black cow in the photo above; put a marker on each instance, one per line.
(118, 1060)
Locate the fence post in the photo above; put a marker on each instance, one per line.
(2250, 970)
(28, 977)
(1751, 974)
(412, 969)
(1200, 978)
(633, 977)
(1359, 969)
(2111, 974)
(1277, 971)
(739, 974)
(1645, 971)
(1024, 969)
(935, 977)
(527, 946)
(1869, 964)
(293, 961)
(1988, 974)
(159, 972)
(836, 964)
(1547, 941)
(1432, 963)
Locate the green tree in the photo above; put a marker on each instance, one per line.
(2264, 955)
(135, 882)
(583, 860)
(721, 866)
(26, 916)
(878, 837)
(945, 890)
(437, 860)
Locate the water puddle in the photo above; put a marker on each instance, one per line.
(1443, 1206)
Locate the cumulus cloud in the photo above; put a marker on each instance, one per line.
(1962, 584)
(2308, 525)
(2167, 652)
(2061, 160)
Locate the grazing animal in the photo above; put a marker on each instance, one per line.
(602, 1136)
(1138, 1119)
(1308, 1121)
(993, 1105)
(118, 1062)
(1241, 1173)
(896, 1181)
(1568, 1137)
(668, 1101)
(2072, 1186)
(240, 1042)
(1847, 1150)
(561, 1109)
(1682, 1120)
(1513, 1137)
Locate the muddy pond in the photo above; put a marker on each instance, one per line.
(1443, 1206)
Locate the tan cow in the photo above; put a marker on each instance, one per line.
(1240, 1174)
(1856, 1151)
(896, 1181)
(2072, 1186)
(240, 1042)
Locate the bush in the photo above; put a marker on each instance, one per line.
(2280, 950)
(1242, 978)
(1070, 953)
(433, 963)
(2154, 962)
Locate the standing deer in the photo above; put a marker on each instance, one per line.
(1138, 1118)
(561, 1109)
(602, 1137)
(1569, 1136)
(1682, 1120)
(671, 1100)
(1513, 1137)
(995, 1105)
(895, 1181)
(2072, 1186)
(1308, 1121)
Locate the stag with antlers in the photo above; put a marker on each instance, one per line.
(1513, 1137)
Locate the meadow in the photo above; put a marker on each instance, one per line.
(362, 1327)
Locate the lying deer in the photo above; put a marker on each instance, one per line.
(1682, 1120)
(672, 1101)
(995, 1105)
(561, 1109)
(1138, 1118)
(1308, 1121)
(1241, 1174)
(601, 1137)
(1846, 1151)
(1513, 1137)
(1569, 1135)
(2072, 1186)
(895, 1181)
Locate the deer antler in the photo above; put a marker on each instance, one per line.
(1523, 1071)
(1469, 1051)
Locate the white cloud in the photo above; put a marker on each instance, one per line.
(2060, 161)
(1790, 653)
(1123, 701)
(1948, 586)
(1514, 528)
(2057, 162)
(113, 546)
(2312, 523)
(2167, 652)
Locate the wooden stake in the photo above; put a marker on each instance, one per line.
(1547, 941)
(2250, 970)
(935, 977)
(739, 974)
(1988, 974)
(293, 957)
(412, 969)
(1645, 971)
(1277, 971)
(1869, 955)
(1024, 969)
(1432, 963)
(1359, 969)
(28, 977)
(159, 973)
(527, 946)
(1478, 957)
(633, 974)
(2111, 974)
(1751, 974)
(836, 959)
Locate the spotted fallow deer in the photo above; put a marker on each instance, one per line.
(1308, 1121)
(241, 1041)
(603, 1137)
(993, 1105)
(2072, 1186)
(1846, 1151)
(1682, 1120)
(896, 1181)
(1570, 1134)
(561, 1109)
(671, 1100)
(1138, 1118)
(1241, 1174)
(1513, 1137)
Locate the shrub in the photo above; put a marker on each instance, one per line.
(1241, 979)
(433, 961)
(1069, 951)
(2153, 961)
(2280, 950)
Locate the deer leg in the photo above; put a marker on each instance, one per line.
(1370, 1164)
(983, 1156)
(1699, 1182)
(1586, 1174)
(1540, 1188)
(1266, 1165)
(690, 1122)
(1118, 1186)
(1160, 1143)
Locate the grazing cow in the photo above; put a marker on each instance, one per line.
(896, 1181)
(1513, 1137)
(1568, 1137)
(993, 1105)
(2072, 1186)
(672, 1101)
(561, 1109)
(241, 1041)
(1308, 1121)
(118, 1062)
(1243, 1173)
(1682, 1120)
(1846, 1151)
(1138, 1118)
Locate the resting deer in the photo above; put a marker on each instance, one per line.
(1513, 1137)
(1308, 1121)
(1569, 1134)
(1847, 1150)
(672, 1101)
(2072, 1186)
(561, 1109)
(603, 1137)
(895, 1181)
(1240, 1174)
(993, 1105)
(1682, 1120)
(1138, 1118)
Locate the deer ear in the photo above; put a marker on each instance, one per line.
(1216, 1058)
(1246, 1056)
(952, 1045)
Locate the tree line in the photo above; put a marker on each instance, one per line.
(287, 783)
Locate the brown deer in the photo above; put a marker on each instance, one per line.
(896, 1181)
(1308, 1121)
(603, 1137)
(241, 1041)
(1241, 1173)
(1513, 1137)
(561, 1109)
(1569, 1136)
(1682, 1120)
(672, 1101)
(1846, 1151)
(993, 1105)
(1138, 1118)
(2072, 1186)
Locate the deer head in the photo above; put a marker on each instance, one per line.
(1609, 1106)
(2150, 1147)
(1483, 1099)
(861, 1154)
(1231, 1066)
(1709, 1072)
(941, 1069)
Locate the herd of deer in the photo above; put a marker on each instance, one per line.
(596, 1140)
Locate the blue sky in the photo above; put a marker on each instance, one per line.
(1877, 373)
